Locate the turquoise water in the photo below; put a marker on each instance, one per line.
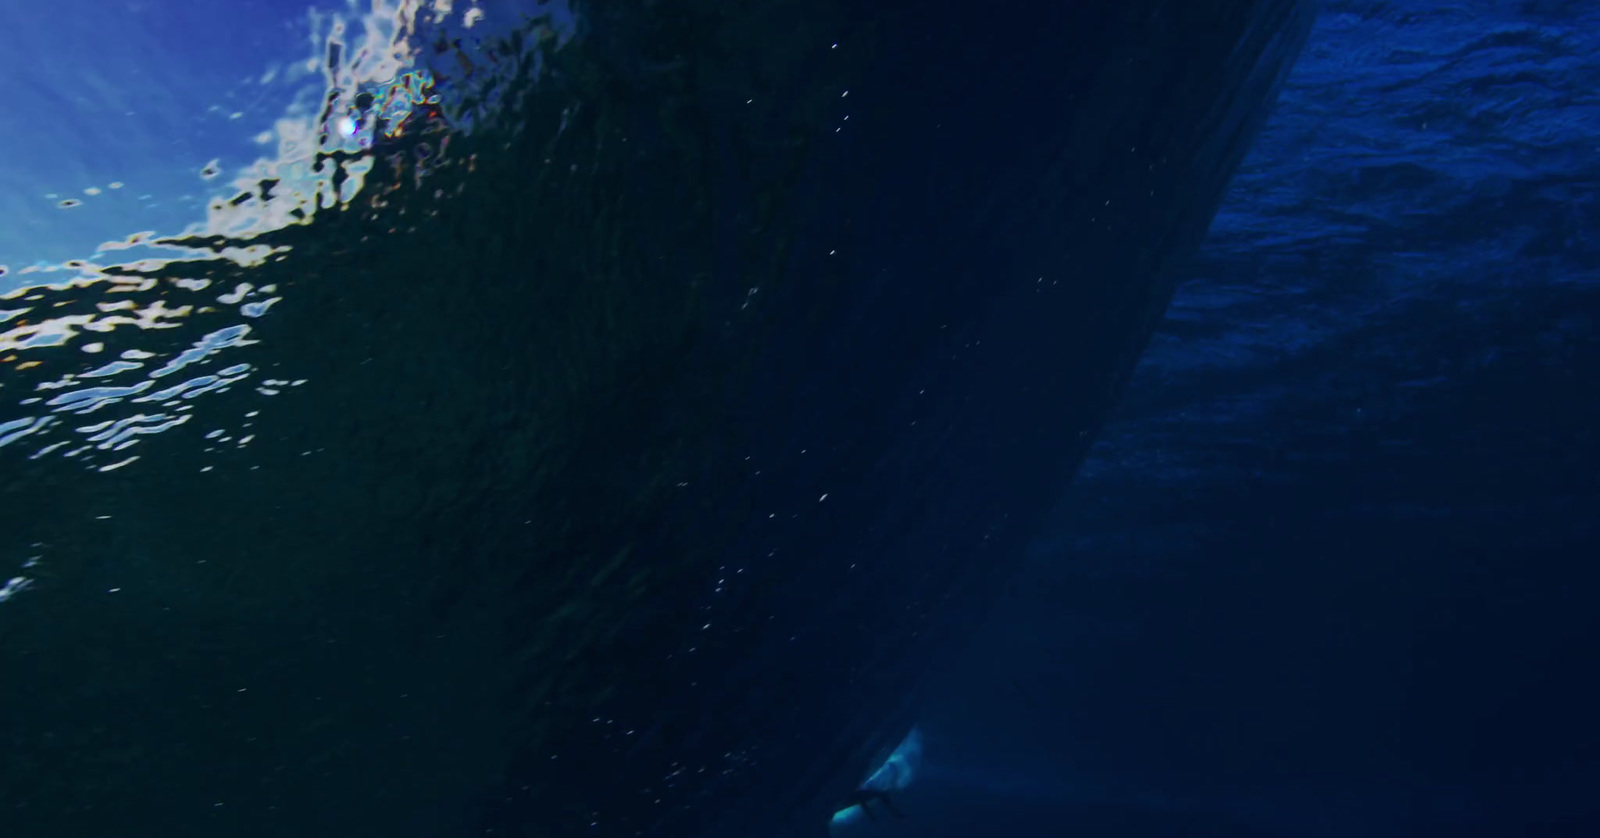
(164, 127)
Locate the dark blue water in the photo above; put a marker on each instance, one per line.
(1330, 571)
(525, 419)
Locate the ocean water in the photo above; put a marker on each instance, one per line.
(541, 419)
(1329, 571)
(521, 419)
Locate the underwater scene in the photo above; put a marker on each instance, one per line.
(770, 418)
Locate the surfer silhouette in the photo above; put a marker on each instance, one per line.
(892, 773)
(864, 798)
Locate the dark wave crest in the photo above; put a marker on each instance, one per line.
(624, 483)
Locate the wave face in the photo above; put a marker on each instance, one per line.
(550, 420)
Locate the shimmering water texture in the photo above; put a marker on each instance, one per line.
(103, 351)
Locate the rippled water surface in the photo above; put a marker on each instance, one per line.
(139, 294)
